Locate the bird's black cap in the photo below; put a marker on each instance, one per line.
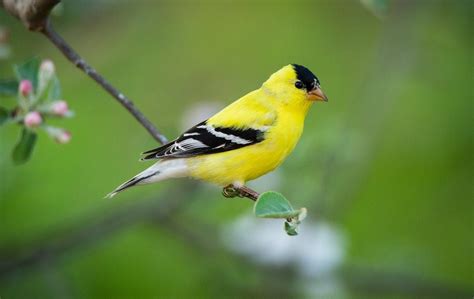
(303, 74)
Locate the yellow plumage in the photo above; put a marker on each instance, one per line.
(276, 111)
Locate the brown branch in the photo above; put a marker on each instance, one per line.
(32, 13)
(74, 58)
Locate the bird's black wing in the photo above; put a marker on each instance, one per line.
(205, 139)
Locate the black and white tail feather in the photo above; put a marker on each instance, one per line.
(136, 180)
(201, 139)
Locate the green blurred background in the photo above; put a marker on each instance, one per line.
(384, 168)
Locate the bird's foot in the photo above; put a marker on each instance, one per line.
(230, 191)
(243, 191)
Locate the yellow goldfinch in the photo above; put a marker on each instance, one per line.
(245, 140)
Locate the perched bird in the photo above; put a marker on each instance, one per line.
(245, 140)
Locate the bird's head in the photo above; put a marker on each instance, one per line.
(295, 84)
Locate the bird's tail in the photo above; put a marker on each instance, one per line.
(159, 171)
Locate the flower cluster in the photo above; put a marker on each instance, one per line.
(37, 105)
(38, 100)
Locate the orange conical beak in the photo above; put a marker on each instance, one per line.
(317, 95)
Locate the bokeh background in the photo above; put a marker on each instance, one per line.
(384, 168)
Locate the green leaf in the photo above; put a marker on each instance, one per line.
(24, 147)
(8, 87)
(3, 115)
(29, 71)
(274, 205)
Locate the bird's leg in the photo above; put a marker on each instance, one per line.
(242, 191)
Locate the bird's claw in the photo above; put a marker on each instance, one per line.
(233, 191)
(230, 191)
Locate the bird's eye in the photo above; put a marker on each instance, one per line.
(299, 84)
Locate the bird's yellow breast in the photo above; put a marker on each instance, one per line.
(248, 163)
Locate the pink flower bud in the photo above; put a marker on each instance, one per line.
(59, 108)
(33, 119)
(25, 87)
(63, 137)
(47, 66)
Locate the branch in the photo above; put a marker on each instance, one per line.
(34, 15)
(74, 58)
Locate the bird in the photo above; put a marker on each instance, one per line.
(247, 139)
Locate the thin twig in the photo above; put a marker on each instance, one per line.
(77, 60)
